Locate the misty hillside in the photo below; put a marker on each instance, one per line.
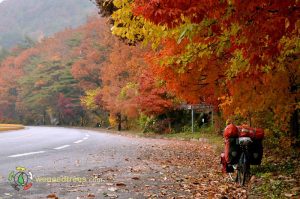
(38, 18)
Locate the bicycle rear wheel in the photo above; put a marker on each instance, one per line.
(243, 170)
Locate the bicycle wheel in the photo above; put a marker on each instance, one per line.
(243, 170)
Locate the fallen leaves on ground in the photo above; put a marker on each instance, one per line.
(190, 170)
(174, 169)
(52, 196)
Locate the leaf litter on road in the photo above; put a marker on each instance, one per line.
(162, 169)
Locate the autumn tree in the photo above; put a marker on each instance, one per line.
(40, 84)
(11, 69)
(119, 76)
(228, 53)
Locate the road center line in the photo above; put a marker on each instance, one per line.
(78, 141)
(62, 147)
(25, 154)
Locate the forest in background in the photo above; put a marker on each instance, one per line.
(80, 76)
(240, 57)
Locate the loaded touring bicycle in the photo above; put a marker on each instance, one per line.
(243, 147)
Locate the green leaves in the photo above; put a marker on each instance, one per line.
(74, 41)
(237, 65)
(187, 31)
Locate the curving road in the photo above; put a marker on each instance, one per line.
(54, 152)
(83, 164)
(88, 164)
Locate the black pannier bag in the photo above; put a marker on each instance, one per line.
(256, 152)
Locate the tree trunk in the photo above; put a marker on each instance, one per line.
(294, 128)
(119, 119)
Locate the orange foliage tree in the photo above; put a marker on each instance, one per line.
(11, 69)
(119, 76)
(241, 56)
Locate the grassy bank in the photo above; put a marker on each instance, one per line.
(9, 127)
(278, 176)
(203, 134)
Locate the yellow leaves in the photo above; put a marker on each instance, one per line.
(237, 64)
(234, 29)
(298, 105)
(187, 30)
(136, 28)
(225, 101)
(287, 23)
(112, 120)
(88, 100)
(266, 68)
(226, 105)
(129, 90)
(290, 47)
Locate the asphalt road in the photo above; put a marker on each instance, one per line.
(84, 164)
(57, 152)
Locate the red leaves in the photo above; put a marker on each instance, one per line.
(153, 99)
(167, 11)
(254, 29)
(257, 20)
(65, 105)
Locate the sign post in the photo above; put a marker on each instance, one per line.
(206, 108)
(192, 119)
(190, 107)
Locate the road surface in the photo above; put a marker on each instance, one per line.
(78, 163)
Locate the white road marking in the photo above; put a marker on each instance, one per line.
(25, 154)
(78, 141)
(62, 147)
(38, 152)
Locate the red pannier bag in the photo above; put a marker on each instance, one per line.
(231, 131)
(253, 133)
(225, 167)
(256, 148)
(231, 152)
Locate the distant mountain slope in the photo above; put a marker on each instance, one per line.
(37, 18)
